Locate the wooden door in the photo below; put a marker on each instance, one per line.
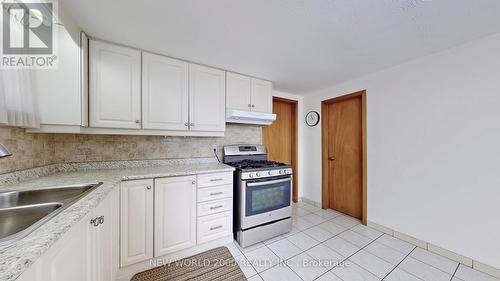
(207, 99)
(262, 96)
(280, 137)
(344, 152)
(115, 86)
(164, 93)
(238, 89)
(175, 214)
(136, 221)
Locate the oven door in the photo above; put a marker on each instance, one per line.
(265, 200)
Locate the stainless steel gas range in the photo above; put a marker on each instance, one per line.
(262, 194)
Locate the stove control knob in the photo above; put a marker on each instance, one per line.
(250, 175)
(282, 172)
(270, 173)
(257, 174)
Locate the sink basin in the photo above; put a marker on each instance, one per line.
(17, 220)
(23, 211)
(43, 195)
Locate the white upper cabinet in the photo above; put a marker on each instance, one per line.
(164, 93)
(250, 94)
(58, 90)
(262, 96)
(207, 99)
(238, 91)
(114, 86)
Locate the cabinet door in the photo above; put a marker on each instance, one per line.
(207, 99)
(101, 241)
(164, 93)
(136, 221)
(68, 259)
(262, 96)
(115, 86)
(238, 89)
(175, 214)
(58, 90)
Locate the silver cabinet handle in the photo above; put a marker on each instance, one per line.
(193, 182)
(216, 227)
(253, 105)
(249, 105)
(186, 124)
(216, 207)
(192, 124)
(268, 182)
(97, 221)
(137, 121)
(219, 179)
(216, 193)
(148, 187)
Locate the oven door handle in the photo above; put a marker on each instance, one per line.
(268, 182)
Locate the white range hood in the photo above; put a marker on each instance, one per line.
(249, 117)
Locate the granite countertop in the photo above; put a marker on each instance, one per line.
(17, 256)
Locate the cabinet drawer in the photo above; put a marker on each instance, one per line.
(214, 226)
(215, 193)
(213, 207)
(207, 180)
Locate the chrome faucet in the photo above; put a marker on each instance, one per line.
(4, 152)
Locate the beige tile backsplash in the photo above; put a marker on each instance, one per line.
(34, 150)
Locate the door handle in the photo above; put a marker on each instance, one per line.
(331, 158)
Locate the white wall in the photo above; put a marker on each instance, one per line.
(433, 148)
(300, 134)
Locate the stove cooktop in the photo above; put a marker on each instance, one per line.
(258, 165)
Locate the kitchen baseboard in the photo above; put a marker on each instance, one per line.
(479, 266)
(309, 201)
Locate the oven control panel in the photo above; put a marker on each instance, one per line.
(266, 173)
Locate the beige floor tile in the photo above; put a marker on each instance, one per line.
(434, 260)
(423, 270)
(262, 259)
(372, 263)
(284, 249)
(306, 267)
(303, 241)
(341, 246)
(319, 233)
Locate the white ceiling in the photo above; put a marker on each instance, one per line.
(301, 45)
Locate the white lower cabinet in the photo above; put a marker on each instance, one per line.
(214, 226)
(136, 221)
(142, 220)
(84, 253)
(175, 214)
(171, 216)
(101, 233)
(213, 207)
(69, 258)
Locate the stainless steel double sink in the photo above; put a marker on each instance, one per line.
(21, 212)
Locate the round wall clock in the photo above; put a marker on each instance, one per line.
(312, 118)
